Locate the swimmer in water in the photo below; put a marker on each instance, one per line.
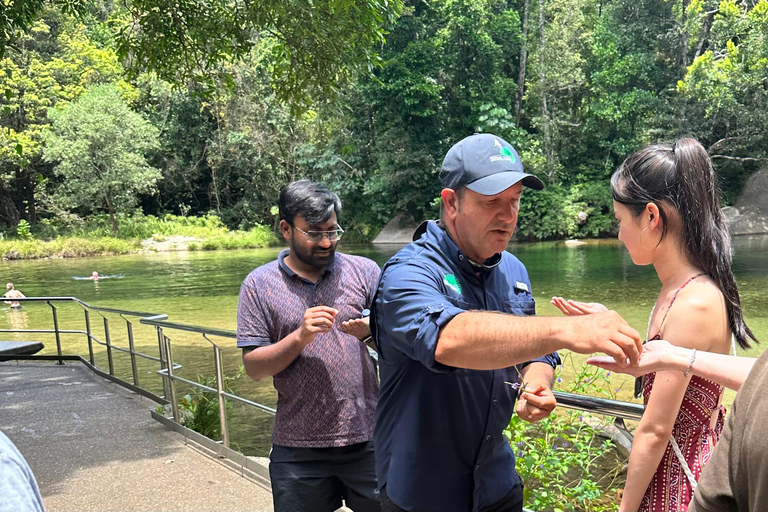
(12, 293)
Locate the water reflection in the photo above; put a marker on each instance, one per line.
(17, 319)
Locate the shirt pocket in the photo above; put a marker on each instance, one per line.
(522, 305)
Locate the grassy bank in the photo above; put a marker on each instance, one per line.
(94, 237)
(69, 247)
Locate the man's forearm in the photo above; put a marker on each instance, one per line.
(481, 340)
(270, 360)
(538, 371)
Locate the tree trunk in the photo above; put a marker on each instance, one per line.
(523, 63)
(215, 160)
(542, 85)
(18, 192)
(29, 177)
(704, 32)
(112, 219)
(683, 43)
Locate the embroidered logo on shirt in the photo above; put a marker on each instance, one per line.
(452, 283)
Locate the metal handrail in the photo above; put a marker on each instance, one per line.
(595, 405)
(77, 331)
(89, 306)
(167, 365)
(214, 331)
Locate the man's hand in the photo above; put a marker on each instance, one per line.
(316, 320)
(657, 356)
(605, 332)
(575, 308)
(360, 328)
(537, 401)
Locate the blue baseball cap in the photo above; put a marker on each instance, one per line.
(486, 164)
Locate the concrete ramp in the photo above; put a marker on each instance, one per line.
(93, 446)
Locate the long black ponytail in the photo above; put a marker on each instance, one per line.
(681, 175)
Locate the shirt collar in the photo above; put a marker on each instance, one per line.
(289, 271)
(438, 232)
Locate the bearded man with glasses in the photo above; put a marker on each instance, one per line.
(300, 320)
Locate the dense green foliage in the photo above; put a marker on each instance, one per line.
(199, 408)
(303, 89)
(96, 236)
(70, 247)
(99, 145)
(565, 460)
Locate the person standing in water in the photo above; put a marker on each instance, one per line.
(12, 293)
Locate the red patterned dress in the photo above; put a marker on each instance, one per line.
(669, 488)
(697, 429)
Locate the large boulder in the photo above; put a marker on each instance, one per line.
(399, 230)
(750, 214)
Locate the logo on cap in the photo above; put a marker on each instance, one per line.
(504, 153)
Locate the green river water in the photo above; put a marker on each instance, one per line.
(201, 288)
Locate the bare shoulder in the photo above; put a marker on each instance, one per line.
(699, 318)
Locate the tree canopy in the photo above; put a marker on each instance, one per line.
(99, 148)
(574, 85)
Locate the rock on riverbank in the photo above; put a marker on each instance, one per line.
(168, 243)
(750, 214)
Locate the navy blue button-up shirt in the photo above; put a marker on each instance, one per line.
(439, 430)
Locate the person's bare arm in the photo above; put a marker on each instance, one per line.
(727, 370)
(360, 328)
(652, 436)
(482, 340)
(269, 360)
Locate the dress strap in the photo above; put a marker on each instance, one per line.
(674, 297)
(683, 463)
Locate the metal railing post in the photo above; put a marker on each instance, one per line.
(88, 335)
(163, 359)
(222, 398)
(171, 383)
(134, 368)
(109, 347)
(56, 330)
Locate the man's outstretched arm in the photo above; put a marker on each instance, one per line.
(482, 340)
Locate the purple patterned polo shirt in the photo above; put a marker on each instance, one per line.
(327, 396)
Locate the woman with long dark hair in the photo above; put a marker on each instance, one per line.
(666, 202)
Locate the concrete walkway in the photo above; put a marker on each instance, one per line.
(94, 447)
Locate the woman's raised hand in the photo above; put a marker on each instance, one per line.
(576, 308)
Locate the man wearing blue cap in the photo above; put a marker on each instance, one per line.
(453, 321)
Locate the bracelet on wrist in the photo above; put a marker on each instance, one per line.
(690, 363)
(367, 339)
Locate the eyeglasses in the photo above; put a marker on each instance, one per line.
(317, 236)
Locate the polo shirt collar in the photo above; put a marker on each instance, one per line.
(289, 271)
